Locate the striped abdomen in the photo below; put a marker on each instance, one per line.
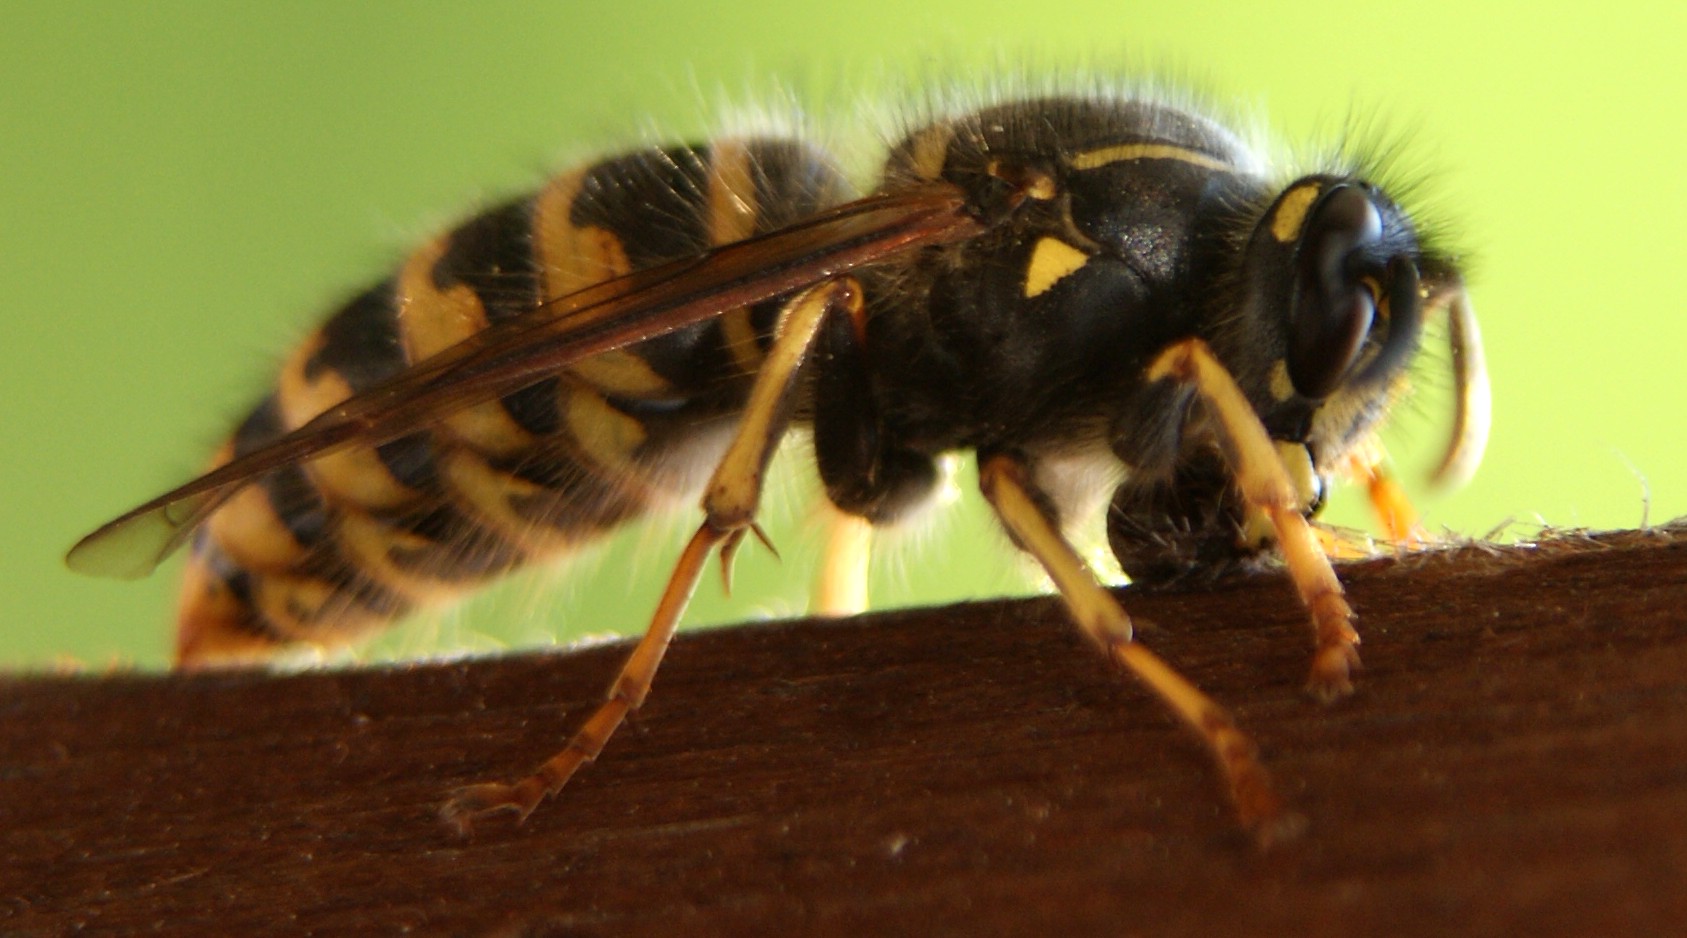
(326, 551)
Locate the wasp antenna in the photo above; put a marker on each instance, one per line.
(1474, 403)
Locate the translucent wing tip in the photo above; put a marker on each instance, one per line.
(134, 545)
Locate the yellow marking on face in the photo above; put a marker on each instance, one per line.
(1095, 159)
(1051, 260)
(1291, 211)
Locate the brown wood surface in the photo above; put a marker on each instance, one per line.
(1515, 762)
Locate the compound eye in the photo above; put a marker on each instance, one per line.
(1334, 302)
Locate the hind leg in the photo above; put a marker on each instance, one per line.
(729, 503)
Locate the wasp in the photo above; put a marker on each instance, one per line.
(1102, 296)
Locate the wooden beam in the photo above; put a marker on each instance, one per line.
(1515, 761)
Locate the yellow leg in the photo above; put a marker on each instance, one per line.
(841, 587)
(1393, 510)
(1006, 484)
(729, 504)
(1263, 482)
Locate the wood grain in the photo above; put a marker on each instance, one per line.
(1515, 761)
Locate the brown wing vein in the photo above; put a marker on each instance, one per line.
(514, 354)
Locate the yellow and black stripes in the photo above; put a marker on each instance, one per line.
(1093, 294)
(346, 543)
(1100, 231)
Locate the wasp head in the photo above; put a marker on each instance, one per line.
(1333, 291)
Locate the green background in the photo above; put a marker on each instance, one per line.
(186, 187)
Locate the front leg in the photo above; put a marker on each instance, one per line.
(1266, 486)
(1030, 520)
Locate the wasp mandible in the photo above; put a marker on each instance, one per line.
(1098, 280)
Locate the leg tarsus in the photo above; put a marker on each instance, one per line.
(473, 803)
(477, 802)
(1335, 653)
(1331, 677)
(467, 805)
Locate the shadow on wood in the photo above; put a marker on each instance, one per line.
(1515, 761)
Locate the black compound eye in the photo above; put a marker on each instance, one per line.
(1334, 304)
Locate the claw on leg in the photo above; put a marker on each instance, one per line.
(476, 802)
(729, 551)
(728, 554)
